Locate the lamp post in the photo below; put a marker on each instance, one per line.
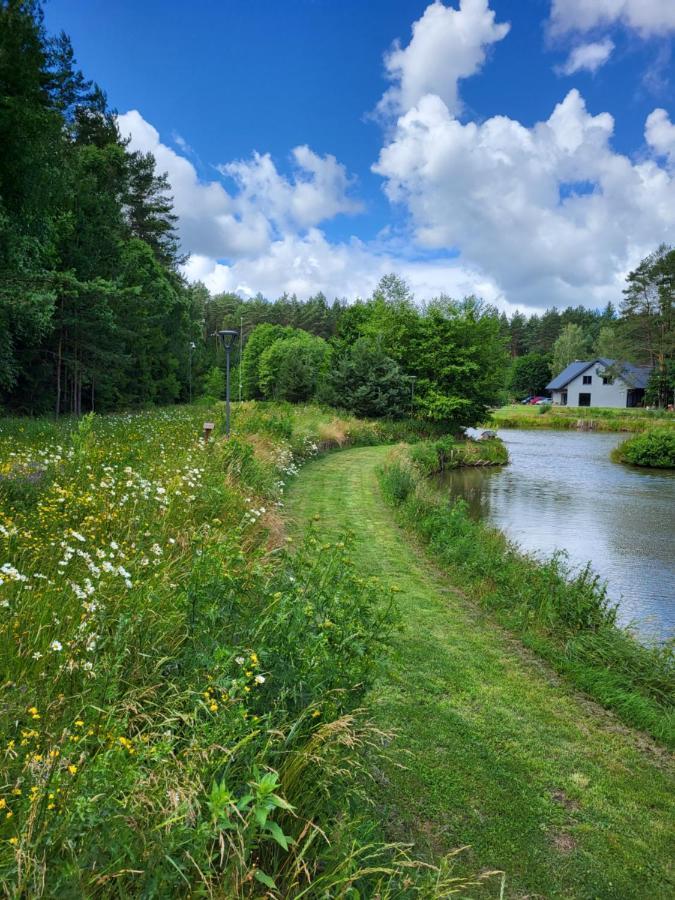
(192, 347)
(227, 337)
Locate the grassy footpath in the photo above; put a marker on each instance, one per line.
(567, 417)
(492, 749)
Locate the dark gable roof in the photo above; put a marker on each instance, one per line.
(574, 369)
(634, 376)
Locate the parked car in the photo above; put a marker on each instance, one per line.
(526, 401)
(534, 400)
(545, 401)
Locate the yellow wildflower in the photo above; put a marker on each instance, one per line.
(72, 769)
(14, 841)
(214, 706)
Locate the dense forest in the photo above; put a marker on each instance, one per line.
(95, 314)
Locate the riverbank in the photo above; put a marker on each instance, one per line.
(591, 419)
(491, 749)
(653, 450)
(566, 617)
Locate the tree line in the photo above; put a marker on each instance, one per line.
(93, 311)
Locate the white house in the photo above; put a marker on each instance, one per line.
(600, 382)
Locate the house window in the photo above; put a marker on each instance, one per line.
(588, 379)
(607, 379)
(563, 398)
(584, 399)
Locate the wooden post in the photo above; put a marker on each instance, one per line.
(208, 431)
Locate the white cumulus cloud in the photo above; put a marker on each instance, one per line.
(589, 56)
(264, 204)
(551, 212)
(660, 134)
(648, 17)
(447, 44)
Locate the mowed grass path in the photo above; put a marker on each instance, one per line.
(493, 750)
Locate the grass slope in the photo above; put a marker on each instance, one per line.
(492, 749)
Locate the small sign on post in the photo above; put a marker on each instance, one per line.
(208, 431)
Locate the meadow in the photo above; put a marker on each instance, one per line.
(594, 418)
(180, 694)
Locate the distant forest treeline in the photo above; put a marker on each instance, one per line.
(94, 313)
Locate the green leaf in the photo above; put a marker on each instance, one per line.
(261, 815)
(280, 802)
(265, 879)
(277, 834)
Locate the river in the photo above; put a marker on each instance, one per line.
(561, 491)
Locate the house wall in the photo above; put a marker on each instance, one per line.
(608, 395)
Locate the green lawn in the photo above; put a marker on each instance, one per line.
(492, 750)
(604, 419)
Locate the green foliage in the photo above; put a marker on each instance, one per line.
(565, 616)
(260, 340)
(293, 367)
(367, 382)
(214, 383)
(654, 449)
(570, 346)
(529, 375)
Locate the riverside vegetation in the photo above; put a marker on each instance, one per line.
(655, 449)
(490, 750)
(564, 616)
(567, 417)
(180, 695)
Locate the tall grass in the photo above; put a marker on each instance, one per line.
(180, 698)
(564, 615)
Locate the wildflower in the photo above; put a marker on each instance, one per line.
(239, 660)
(37, 655)
(56, 646)
(260, 679)
(9, 814)
(254, 659)
(16, 791)
(3, 803)
(79, 723)
(316, 713)
(214, 706)
(72, 769)
(14, 841)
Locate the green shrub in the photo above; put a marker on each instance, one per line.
(654, 449)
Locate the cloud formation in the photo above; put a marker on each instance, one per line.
(447, 45)
(660, 134)
(551, 212)
(534, 215)
(589, 56)
(263, 205)
(648, 17)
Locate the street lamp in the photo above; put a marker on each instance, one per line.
(191, 349)
(227, 337)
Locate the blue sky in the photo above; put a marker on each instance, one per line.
(450, 183)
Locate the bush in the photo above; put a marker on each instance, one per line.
(214, 383)
(292, 368)
(654, 449)
(369, 383)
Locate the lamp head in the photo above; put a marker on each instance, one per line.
(227, 336)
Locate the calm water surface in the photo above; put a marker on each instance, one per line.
(561, 491)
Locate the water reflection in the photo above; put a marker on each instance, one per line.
(561, 491)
